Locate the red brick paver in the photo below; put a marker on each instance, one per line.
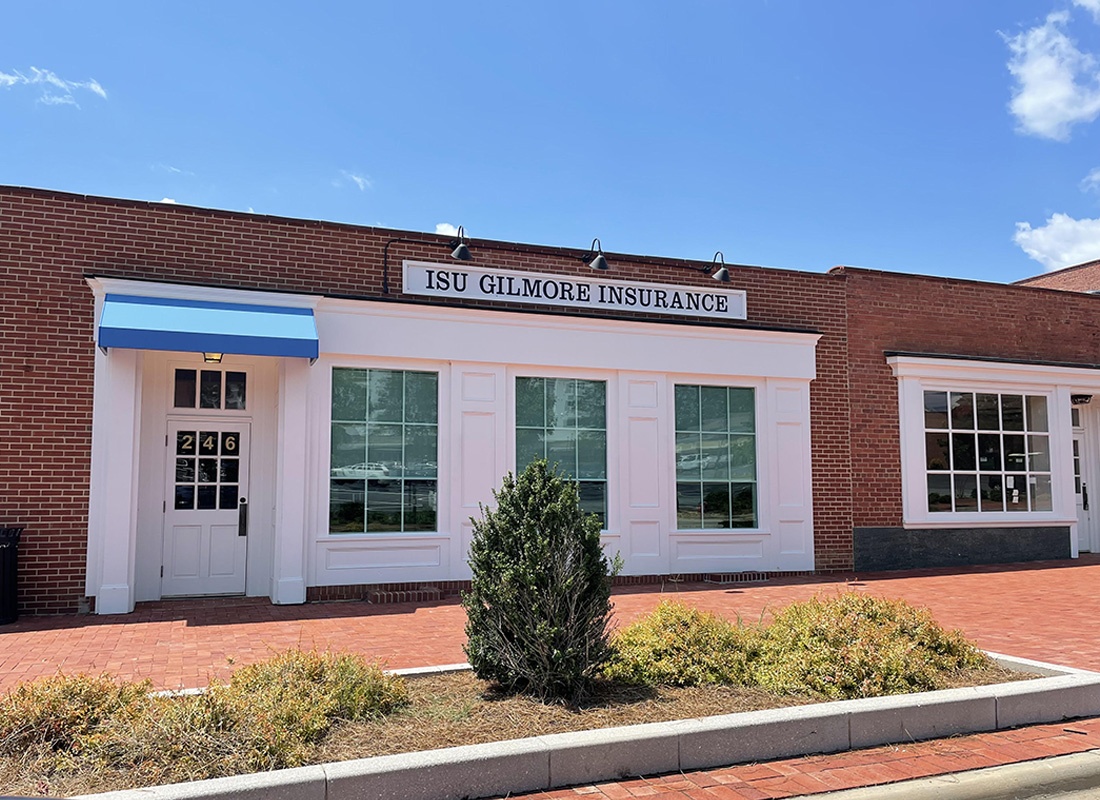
(798, 776)
(1045, 611)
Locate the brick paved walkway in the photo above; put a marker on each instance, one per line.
(1047, 611)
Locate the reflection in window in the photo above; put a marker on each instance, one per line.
(564, 420)
(383, 470)
(715, 457)
(209, 389)
(986, 452)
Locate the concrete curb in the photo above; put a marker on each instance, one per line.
(546, 762)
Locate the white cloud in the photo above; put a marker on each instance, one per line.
(1091, 182)
(362, 181)
(54, 90)
(1062, 242)
(1057, 85)
(167, 200)
(446, 229)
(1091, 5)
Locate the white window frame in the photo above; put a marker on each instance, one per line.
(918, 374)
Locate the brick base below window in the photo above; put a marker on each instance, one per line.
(878, 549)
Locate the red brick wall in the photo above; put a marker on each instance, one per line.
(50, 240)
(1080, 278)
(916, 314)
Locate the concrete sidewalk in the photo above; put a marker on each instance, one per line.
(1045, 611)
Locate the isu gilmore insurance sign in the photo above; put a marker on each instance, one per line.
(477, 283)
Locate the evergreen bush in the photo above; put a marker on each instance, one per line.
(539, 605)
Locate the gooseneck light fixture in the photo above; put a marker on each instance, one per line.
(460, 251)
(721, 274)
(595, 257)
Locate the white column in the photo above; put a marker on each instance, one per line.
(288, 582)
(112, 506)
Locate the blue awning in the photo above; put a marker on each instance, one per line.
(198, 326)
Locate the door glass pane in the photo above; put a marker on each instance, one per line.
(186, 443)
(184, 390)
(230, 470)
(208, 443)
(185, 497)
(234, 392)
(185, 470)
(227, 497)
(231, 443)
(208, 470)
(210, 389)
(207, 497)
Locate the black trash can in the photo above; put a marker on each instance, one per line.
(9, 574)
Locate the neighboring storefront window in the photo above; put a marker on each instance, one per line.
(383, 470)
(715, 457)
(987, 452)
(564, 420)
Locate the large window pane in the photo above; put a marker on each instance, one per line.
(715, 457)
(384, 458)
(564, 420)
(999, 452)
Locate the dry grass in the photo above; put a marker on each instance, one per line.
(457, 709)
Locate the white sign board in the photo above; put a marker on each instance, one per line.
(480, 283)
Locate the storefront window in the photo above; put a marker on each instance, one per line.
(383, 470)
(986, 452)
(209, 389)
(715, 457)
(564, 420)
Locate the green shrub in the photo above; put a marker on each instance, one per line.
(677, 645)
(67, 713)
(856, 645)
(538, 609)
(270, 715)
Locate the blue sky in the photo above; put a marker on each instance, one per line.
(930, 136)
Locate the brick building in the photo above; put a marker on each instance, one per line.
(198, 402)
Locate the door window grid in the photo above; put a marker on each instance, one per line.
(211, 389)
(208, 468)
(715, 457)
(564, 420)
(383, 458)
(987, 452)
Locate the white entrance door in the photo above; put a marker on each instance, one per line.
(206, 510)
(1086, 496)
